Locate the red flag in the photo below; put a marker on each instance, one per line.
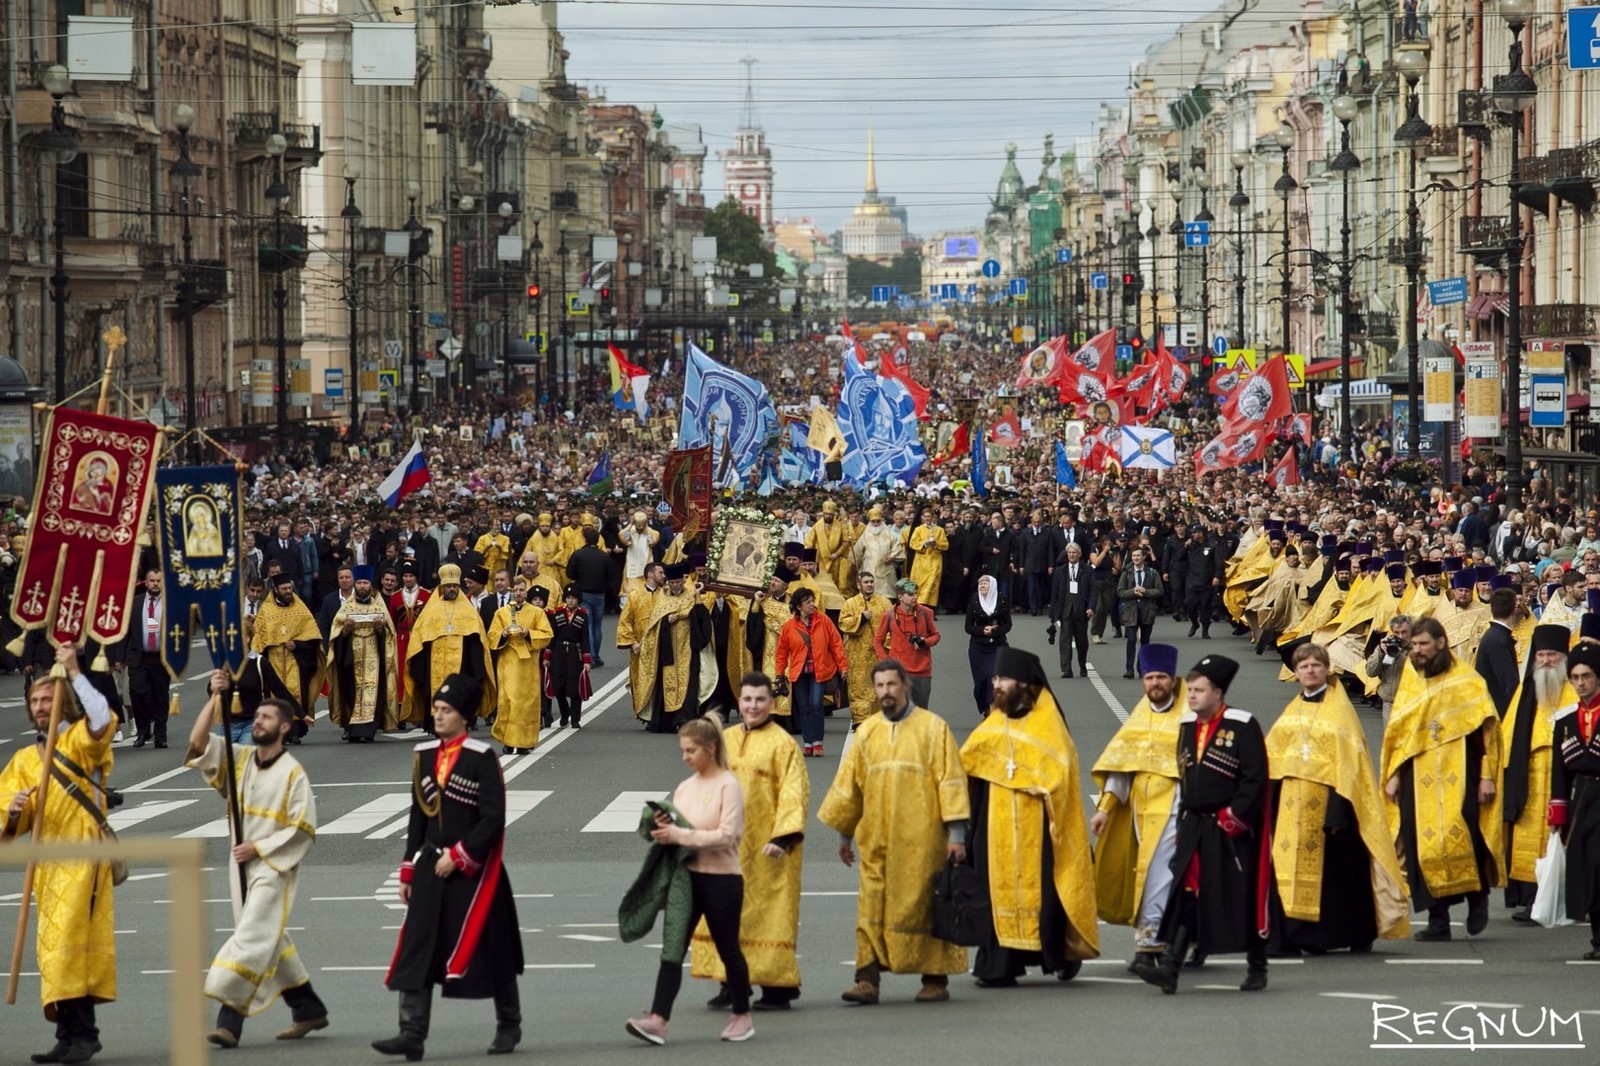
(1082, 387)
(1046, 364)
(850, 342)
(1007, 432)
(1223, 382)
(960, 443)
(1238, 443)
(1099, 353)
(1286, 473)
(1141, 382)
(898, 367)
(1300, 425)
(1264, 397)
(1174, 379)
(1096, 451)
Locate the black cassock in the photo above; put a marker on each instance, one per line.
(996, 963)
(473, 664)
(1228, 781)
(1349, 918)
(1575, 781)
(664, 719)
(460, 931)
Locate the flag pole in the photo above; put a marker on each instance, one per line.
(115, 339)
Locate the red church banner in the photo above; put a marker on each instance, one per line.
(686, 488)
(95, 482)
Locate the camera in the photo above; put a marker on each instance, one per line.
(114, 799)
(918, 642)
(1050, 633)
(780, 687)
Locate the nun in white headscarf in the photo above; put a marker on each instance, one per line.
(988, 622)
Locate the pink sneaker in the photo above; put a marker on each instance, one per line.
(740, 1028)
(651, 1028)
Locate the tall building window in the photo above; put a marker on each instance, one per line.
(72, 191)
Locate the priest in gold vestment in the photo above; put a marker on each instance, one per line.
(763, 621)
(1338, 883)
(777, 794)
(1028, 836)
(676, 659)
(901, 796)
(288, 644)
(858, 622)
(448, 638)
(925, 545)
(75, 943)
(519, 633)
(1527, 735)
(632, 622)
(832, 537)
(363, 664)
(1136, 823)
(1440, 766)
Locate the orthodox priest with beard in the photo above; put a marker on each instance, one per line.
(1440, 765)
(363, 664)
(447, 639)
(1028, 837)
(676, 656)
(1526, 736)
(405, 606)
(1219, 894)
(289, 649)
(1338, 883)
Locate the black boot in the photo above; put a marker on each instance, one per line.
(507, 1019)
(1163, 971)
(1477, 912)
(1438, 925)
(415, 1008)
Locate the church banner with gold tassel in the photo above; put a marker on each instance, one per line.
(199, 512)
(77, 575)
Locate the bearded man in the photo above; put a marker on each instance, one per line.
(1526, 736)
(363, 663)
(448, 639)
(289, 649)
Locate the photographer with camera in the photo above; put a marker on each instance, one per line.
(907, 633)
(1388, 659)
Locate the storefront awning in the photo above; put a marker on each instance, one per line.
(1486, 303)
(1364, 390)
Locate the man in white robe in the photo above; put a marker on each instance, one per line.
(259, 962)
(878, 549)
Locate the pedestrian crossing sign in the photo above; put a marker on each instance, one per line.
(537, 340)
(1296, 365)
(576, 304)
(1234, 356)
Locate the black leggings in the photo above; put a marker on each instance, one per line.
(718, 898)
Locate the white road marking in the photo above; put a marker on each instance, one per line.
(559, 966)
(589, 925)
(1481, 1003)
(610, 693)
(588, 938)
(1107, 980)
(214, 829)
(1101, 687)
(622, 814)
(368, 816)
(1215, 988)
(165, 775)
(1355, 995)
(1429, 962)
(850, 893)
(131, 816)
(518, 803)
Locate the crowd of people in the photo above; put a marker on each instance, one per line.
(1463, 616)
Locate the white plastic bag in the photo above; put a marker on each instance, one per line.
(1550, 901)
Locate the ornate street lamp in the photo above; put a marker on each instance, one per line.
(1239, 201)
(1285, 187)
(278, 193)
(416, 249)
(59, 147)
(183, 172)
(1345, 109)
(352, 221)
(1414, 133)
(1514, 94)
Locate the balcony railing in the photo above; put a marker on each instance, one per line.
(1558, 320)
(283, 246)
(1380, 326)
(1473, 110)
(210, 277)
(1485, 235)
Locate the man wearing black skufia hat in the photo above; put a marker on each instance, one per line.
(1526, 733)
(460, 929)
(1575, 790)
(1224, 832)
(1028, 837)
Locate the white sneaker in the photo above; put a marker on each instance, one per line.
(117, 738)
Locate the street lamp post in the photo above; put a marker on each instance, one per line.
(1514, 93)
(1285, 187)
(1202, 181)
(352, 219)
(1413, 134)
(59, 145)
(505, 211)
(566, 325)
(1153, 235)
(183, 172)
(278, 193)
(538, 307)
(1239, 201)
(1345, 109)
(415, 250)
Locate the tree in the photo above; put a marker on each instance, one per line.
(741, 242)
(904, 270)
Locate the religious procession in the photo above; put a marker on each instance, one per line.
(773, 582)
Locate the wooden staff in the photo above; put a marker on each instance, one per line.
(235, 813)
(115, 339)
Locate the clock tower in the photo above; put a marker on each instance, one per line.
(747, 166)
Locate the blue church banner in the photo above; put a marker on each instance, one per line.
(199, 512)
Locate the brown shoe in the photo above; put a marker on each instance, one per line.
(223, 1037)
(933, 994)
(299, 1030)
(861, 992)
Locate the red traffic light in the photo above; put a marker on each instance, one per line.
(1128, 278)
(605, 293)
(534, 290)
(1136, 342)
(1205, 360)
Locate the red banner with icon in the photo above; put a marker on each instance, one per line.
(96, 477)
(686, 488)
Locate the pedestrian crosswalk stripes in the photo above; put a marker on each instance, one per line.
(621, 814)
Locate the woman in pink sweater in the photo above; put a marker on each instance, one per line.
(714, 805)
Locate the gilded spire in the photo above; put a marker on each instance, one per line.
(872, 166)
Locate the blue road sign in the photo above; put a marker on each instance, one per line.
(949, 291)
(1197, 234)
(1063, 255)
(1219, 345)
(1583, 38)
(1017, 287)
(1099, 280)
(436, 318)
(880, 294)
(1124, 352)
(1447, 291)
(333, 383)
(972, 290)
(990, 268)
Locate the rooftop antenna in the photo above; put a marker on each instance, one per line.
(749, 122)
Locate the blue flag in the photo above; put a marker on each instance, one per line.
(600, 476)
(878, 419)
(1064, 473)
(738, 406)
(980, 460)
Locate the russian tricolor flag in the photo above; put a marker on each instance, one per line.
(408, 477)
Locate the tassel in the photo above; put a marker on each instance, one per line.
(58, 671)
(172, 711)
(235, 710)
(100, 664)
(15, 647)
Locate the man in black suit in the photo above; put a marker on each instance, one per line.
(283, 549)
(1497, 654)
(346, 588)
(1202, 576)
(1139, 599)
(1037, 560)
(994, 553)
(495, 597)
(149, 684)
(1071, 604)
(1175, 568)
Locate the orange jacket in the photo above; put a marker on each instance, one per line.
(826, 652)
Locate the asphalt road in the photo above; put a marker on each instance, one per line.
(574, 802)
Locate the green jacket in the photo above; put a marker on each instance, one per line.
(662, 885)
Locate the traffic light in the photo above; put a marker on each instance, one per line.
(605, 299)
(1206, 367)
(535, 290)
(1130, 285)
(1136, 342)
